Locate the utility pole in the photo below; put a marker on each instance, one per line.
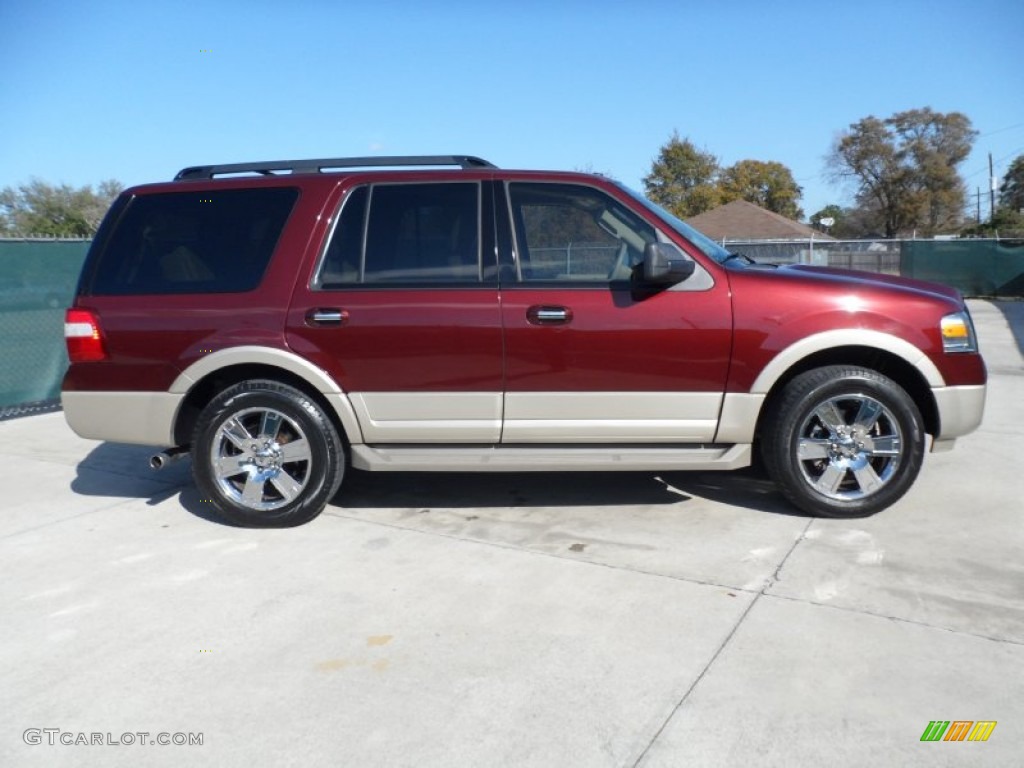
(977, 218)
(991, 190)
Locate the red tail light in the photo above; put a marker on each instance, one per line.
(83, 337)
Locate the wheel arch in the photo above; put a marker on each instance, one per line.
(205, 378)
(885, 362)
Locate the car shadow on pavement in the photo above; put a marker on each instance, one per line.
(113, 469)
(123, 471)
(459, 490)
(749, 488)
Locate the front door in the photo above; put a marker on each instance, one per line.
(587, 359)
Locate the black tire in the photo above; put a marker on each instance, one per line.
(242, 462)
(843, 441)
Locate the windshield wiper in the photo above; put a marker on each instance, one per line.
(743, 256)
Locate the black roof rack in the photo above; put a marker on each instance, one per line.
(318, 165)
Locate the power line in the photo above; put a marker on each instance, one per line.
(1001, 130)
(1017, 151)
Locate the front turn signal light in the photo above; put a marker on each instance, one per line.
(958, 333)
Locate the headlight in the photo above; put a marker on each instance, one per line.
(958, 333)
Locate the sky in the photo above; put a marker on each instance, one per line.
(136, 91)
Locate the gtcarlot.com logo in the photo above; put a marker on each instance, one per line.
(55, 736)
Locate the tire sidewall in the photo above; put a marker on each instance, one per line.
(326, 459)
(806, 393)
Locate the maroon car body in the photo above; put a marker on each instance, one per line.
(486, 319)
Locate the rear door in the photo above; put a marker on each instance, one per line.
(588, 357)
(403, 312)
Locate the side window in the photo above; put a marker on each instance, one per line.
(193, 242)
(406, 233)
(570, 232)
(342, 262)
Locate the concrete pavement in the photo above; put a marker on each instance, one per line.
(513, 620)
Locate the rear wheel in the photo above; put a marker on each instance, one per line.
(843, 442)
(266, 455)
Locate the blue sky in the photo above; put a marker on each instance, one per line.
(136, 91)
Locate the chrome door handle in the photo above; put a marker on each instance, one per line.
(326, 316)
(541, 315)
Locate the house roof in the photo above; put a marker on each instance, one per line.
(740, 220)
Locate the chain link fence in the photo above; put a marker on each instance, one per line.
(976, 267)
(866, 255)
(37, 282)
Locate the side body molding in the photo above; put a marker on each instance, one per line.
(277, 358)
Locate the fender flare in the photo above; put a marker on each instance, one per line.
(741, 410)
(250, 354)
(852, 337)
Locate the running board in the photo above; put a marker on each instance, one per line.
(548, 458)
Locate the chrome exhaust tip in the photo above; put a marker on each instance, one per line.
(160, 460)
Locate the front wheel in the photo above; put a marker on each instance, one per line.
(266, 455)
(843, 441)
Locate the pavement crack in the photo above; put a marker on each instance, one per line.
(540, 553)
(903, 620)
(51, 523)
(725, 642)
(900, 619)
(778, 569)
(714, 657)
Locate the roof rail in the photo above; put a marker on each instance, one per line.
(318, 165)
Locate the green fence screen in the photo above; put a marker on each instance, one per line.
(37, 282)
(975, 267)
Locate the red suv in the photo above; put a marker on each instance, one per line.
(282, 321)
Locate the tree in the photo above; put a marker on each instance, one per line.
(689, 181)
(905, 168)
(683, 178)
(1008, 218)
(1011, 191)
(37, 208)
(767, 184)
(1005, 223)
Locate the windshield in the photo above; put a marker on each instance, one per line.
(707, 246)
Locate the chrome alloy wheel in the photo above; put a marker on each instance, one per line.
(260, 459)
(849, 447)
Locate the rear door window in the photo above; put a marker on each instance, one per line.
(406, 234)
(193, 242)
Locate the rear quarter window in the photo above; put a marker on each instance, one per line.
(192, 242)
